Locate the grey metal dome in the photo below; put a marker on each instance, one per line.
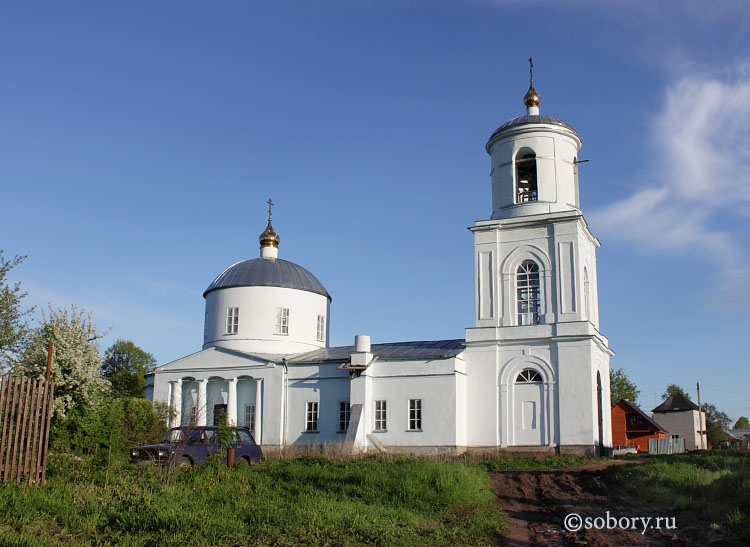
(528, 119)
(268, 272)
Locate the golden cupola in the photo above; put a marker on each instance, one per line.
(269, 239)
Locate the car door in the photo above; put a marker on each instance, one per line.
(246, 446)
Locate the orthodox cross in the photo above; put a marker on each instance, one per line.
(531, 73)
(270, 205)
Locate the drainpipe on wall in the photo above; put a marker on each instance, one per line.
(286, 398)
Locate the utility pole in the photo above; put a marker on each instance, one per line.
(701, 420)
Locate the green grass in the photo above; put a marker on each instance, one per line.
(304, 500)
(715, 484)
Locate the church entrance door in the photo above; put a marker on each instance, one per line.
(528, 423)
(218, 411)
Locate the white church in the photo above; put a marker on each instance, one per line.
(532, 373)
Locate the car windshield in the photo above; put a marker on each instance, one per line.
(174, 436)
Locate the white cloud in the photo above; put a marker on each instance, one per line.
(700, 173)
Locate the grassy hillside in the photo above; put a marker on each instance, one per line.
(308, 499)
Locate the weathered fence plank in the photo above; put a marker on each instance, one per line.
(25, 412)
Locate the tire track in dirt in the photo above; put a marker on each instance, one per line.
(536, 502)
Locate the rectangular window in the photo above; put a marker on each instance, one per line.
(321, 328)
(311, 419)
(250, 417)
(380, 416)
(282, 321)
(345, 411)
(415, 414)
(233, 320)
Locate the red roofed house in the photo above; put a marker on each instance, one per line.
(632, 427)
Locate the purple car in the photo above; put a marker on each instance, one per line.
(192, 445)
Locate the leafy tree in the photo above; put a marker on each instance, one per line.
(125, 366)
(717, 423)
(75, 360)
(673, 389)
(742, 423)
(14, 331)
(621, 387)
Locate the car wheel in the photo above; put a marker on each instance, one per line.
(242, 463)
(184, 462)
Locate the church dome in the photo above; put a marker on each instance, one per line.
(529, 119)
(267, 272)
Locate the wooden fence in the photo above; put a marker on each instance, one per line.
(25, 410)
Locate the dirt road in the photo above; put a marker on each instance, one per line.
(537, 502)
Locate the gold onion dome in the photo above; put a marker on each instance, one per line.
(531, 98)
(269, 237)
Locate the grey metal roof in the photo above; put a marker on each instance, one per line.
(676, 403)
(436, 349)
(268, 272)
(527, 120)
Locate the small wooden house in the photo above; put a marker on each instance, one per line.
(633, 427)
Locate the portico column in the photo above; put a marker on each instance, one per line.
(232, 401)
(176, 402)
(201, 407)
(258, 410)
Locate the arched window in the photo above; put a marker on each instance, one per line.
(527, 293)
(526, 177)
(586, 301)
(527, 376)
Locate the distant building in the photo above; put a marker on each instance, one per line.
(682, 419)
(739, 438)
(532, 373)
(633, 427)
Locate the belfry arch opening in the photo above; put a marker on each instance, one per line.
(526, 179)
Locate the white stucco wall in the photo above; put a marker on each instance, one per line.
(686, 424)
(327, 386)
(258, 307)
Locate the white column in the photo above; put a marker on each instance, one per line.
(258, 410)
(202, 402)
(176, 402)
(232, 401)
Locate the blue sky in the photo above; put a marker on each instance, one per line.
(139, 142)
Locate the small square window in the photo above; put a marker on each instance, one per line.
(321, 328)
(233, 320)
(282, 321)
(345, 412)
(311, 418)
(380, 416)
(415, 414)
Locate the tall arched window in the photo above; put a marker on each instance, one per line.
(526, 176)
(586, 297)
(527, 293)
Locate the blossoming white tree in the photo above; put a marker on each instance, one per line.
(75, 360)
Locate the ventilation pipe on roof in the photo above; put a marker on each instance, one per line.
(362, 343)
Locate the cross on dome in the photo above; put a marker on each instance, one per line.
(531, 99)
(269, 239)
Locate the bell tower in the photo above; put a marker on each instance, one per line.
(534, 163)
(536, 345)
